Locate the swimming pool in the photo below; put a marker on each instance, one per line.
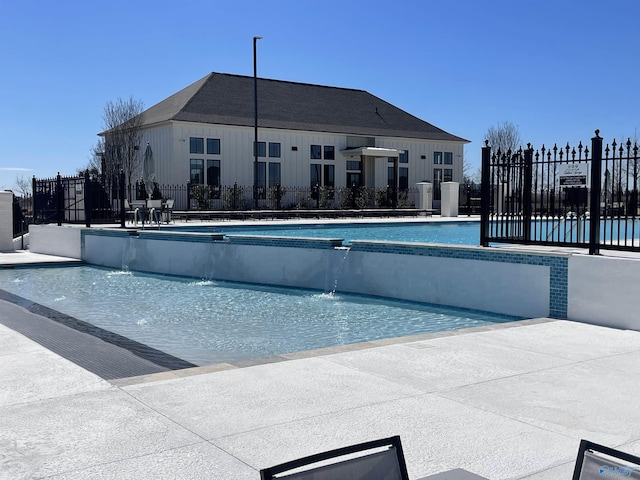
(206, 322)
(453, 233)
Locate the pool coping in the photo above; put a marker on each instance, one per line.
(320, 352)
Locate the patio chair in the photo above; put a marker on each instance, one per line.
(375, 460)
(135, 208)
(167, 209)
(154, 207)
(596, 461)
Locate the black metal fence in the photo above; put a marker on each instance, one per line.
(566, 196)
(86, 199)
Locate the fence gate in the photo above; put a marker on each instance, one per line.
(80, 199)
(562, 196)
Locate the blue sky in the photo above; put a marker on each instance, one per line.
(557, 69)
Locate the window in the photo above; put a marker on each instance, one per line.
(274, 150)
(437, 180)
(261, 150)
(448, 158)
(196, 145)
(274, 173)
(213, 177)
(261, 180)
(213, 146)
(403, 178)
(437, 158)
(329, 176)
(391, 178)
(196, 170)
(353, 164)
(316, 152)
(329, 152)
(315, 173)
(448, 175)
(404, 156)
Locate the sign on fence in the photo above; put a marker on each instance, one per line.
(573, 174)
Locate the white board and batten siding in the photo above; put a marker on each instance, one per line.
(170, 145)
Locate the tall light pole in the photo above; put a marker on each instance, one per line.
(255, 124)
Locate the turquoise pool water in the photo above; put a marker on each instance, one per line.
(454, 233)
(206, 322)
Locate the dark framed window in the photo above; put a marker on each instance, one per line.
(274, 150)
(330, 176)
(448, 158)
(196, 145)
(391, 177)
(213, 146)
(213, 177)
(403, 178)
(353, 164)
(261, 179)
(404, 157)
(262, 149)
(437, 180)
(274, 174)
(448, 175)
(196, 170)
(329, 152)
(315, 152)
(437, 158)
(315, 174)
(391, 159)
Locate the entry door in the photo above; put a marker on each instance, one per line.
(354, 178)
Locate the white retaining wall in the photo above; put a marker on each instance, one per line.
(6, 221)
(605, 291)
(64, 241)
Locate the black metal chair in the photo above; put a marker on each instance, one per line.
(597, 462)
(375, 460)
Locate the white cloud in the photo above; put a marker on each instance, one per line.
(16, 169)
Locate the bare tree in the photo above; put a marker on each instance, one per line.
(504, 136)
(119, 148)
(23, 186)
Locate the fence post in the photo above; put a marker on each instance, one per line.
(596, 187)
(485, 195)
(59, 199)
(122, 212)
(87, 199)
(526, 194)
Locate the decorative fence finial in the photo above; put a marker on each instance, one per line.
(597, 133)
(486, 143)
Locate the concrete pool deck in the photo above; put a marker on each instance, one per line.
(511, 401)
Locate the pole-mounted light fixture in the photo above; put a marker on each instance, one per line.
(255, 123)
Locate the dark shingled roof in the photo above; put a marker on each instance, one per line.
(226, 99)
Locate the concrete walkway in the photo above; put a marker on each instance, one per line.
(508, 402)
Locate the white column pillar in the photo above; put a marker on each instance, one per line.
(6, 221)
(450, 199)
(425, 197)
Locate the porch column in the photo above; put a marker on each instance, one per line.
(449, 203)
(425, 195)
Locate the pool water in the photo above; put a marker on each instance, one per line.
(453, 233)
(207, 322)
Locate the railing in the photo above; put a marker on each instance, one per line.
(87, 199)
(561, 196)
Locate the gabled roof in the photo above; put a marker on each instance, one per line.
(226, 99)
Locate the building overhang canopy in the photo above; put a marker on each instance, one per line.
(371, 152)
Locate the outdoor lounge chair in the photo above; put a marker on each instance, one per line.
(167, 209)
(375, 460)
(596, 462)
(154, 207)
